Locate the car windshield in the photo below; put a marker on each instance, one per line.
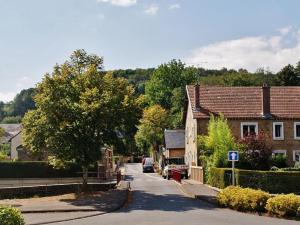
(175, 161)
(148, 162)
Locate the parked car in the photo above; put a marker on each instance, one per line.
(175, 164)
(148, 165)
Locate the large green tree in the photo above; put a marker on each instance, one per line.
(167, 88)
(79, 109)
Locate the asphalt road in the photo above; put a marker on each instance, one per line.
(155, 201)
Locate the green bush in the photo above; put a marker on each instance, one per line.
(38, 170)
(219, 177)
(243, 199)
(275, 182)
(284, 205)
(10, 216)
(279, 161)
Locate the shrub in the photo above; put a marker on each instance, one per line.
(219, 177)
(10, 216)
(243, 199)
(256, 151)
(270, 181)
(284, 205)
(279, 161)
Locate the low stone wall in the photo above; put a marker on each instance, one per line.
(51, 190)
(20, 182)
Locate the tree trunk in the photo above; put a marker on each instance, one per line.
(84, 178)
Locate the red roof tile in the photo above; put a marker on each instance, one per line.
(245, 102)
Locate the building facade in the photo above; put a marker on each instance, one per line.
(174, 143)
(275, 111)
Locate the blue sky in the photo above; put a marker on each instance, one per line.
(36, 34)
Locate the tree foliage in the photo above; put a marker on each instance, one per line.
(256, 152)
(167, 88)
(79, 110)
(288, 76)
(151, 128)
(218, 142)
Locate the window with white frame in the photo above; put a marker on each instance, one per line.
(278, 131)
(297, 130)
(296, 155)
(249, 128)
(278, 152)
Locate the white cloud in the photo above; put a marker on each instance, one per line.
(152, 10)
(6, 97)
(285, 30)
(174, 6)
(248, 52)
(124, 3)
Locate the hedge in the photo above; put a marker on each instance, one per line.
(243, 199)
(247, 199)
(284, 205)
(37, 169)
(270, 181)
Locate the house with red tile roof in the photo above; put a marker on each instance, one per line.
(273, 110)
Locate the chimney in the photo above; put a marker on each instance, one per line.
(265, 101)
(197, 98)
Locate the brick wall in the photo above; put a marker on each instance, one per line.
(289, 143)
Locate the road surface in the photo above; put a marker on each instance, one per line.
(155, 201)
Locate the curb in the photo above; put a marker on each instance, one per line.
(123, 203)
(208, 199)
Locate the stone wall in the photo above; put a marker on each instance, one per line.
(50, 190)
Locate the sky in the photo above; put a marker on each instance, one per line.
(250, 34)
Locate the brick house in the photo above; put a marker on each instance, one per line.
(273, 110)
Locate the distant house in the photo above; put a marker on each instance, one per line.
(174, 143)
(10, 131)
(275, 111)
(16, 148)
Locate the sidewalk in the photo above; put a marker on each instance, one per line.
(200, 191)
(100, 201)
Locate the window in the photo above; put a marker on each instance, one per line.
(296, 155)
(249, 128)
(297, 130)
(278, 133)
(278, 152)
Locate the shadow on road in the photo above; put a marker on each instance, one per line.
(141, 200)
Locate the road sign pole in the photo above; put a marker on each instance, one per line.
(233, 178)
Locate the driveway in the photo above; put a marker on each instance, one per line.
(155, 201)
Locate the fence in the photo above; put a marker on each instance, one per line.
(197, 174)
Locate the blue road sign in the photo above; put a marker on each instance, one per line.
(233, 156)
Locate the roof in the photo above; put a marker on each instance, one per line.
(245, 102)
(174, 139)
(11, 130)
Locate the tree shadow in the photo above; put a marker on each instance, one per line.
(141, 200)
(105, 202)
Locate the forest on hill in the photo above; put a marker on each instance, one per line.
(166, 76)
